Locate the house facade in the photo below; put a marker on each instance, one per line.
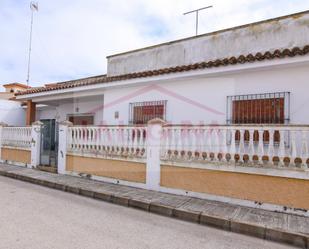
(221, 116)
(256, 73)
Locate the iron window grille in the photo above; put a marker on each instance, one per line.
(142, 112)
(265, 108)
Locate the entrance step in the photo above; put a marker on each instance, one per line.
(49, 169)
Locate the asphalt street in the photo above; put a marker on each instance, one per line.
(33, 217)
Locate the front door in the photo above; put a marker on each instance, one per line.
(49, 143)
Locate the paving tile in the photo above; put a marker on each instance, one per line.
(218, 215)
(140, 204)
(287, 237)
(174, 201)
(103, 196)
(252, 229)
(222, 210)
(265, 218)
(298, 224)
(183, 214)
(120, 200)
(161, 209)
(195, 205)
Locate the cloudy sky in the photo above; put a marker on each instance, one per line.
(72, 38)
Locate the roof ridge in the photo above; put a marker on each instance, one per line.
(69, 81)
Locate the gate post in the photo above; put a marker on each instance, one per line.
(153, 167)
(36, 130)
(62, 146)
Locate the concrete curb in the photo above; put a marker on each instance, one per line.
(255, 230)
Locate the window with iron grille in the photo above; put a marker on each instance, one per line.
(142, 112)
(266, 108)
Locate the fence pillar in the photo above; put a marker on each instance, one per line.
(62, 146)
(1, 130)
(35, 144)
(153, 169)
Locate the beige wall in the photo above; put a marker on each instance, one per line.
(122, 170)
(15, 155)
(288, 192)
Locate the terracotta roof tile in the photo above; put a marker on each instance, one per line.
(250, 58)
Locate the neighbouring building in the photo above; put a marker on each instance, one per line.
(11, 89)
(12, 111)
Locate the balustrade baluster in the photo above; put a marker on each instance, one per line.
(69, 140)
(241, 146)
(224, 149)
(209, 143)
(261, 146)
(113, 142)
(304, 151)
(126, 141)
(232, 150)
(199, 136)
(180, 143)
(204, 144)
(281, 150)
(271, 145)
(251, 151)
(293, 148)
(216, 144)
(193, 142)
(134, 141)
(121, 139)
(130, 141)
(168, 139)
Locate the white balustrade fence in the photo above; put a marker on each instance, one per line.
(258, 145)
(18, 137)
(108, 141)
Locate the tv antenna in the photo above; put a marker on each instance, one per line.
(34, 6)
(197, 16)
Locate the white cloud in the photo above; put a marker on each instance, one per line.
(72, 38)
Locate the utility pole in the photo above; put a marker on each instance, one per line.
(197, 16)
(34, 6)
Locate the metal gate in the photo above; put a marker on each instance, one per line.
(49, 143)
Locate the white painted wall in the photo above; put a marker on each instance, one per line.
(212, 92)
(12, 113)
(85, 105)
(189, 101)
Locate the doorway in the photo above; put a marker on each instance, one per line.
(49, 143)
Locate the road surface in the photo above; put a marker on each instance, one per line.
(33, 217)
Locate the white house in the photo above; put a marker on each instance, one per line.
(252, 74)
(256, 73)
(244, 92)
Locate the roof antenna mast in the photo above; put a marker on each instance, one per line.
(34, 6)
(197, 16)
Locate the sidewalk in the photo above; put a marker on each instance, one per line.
(286, 228)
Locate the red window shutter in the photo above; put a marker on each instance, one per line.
(144, 113)
(258, 111)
